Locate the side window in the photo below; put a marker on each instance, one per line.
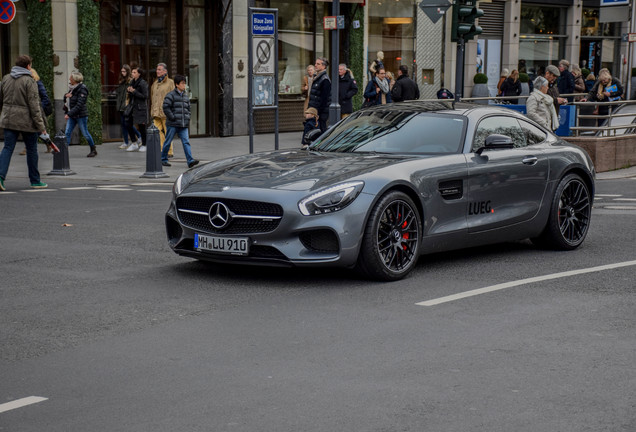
(533, 134)
(499, 125)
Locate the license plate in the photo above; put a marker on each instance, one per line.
(226, 245)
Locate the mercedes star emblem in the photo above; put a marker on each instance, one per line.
(219, 215)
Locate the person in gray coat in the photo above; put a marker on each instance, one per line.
(20, 112)
(176, 107)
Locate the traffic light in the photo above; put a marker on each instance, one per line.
(465, 12)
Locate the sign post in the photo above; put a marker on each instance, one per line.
(262, 91)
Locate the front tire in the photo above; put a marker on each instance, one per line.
(391, 242)
(570, 215)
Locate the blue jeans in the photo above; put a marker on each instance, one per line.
(83, 125)
(124, 129)
(31, 142)
(185, 140)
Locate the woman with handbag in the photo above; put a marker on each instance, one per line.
(77, 111)
(122, 101)
(47, 110)
(137, 108)
(378, 90)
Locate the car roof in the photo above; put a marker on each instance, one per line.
(445, 107)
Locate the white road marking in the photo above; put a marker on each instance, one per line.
(111, 186)
(624, 199)
(154, 190)
(617, 207)
(6, 193)
(607, 195)
(38, 190)
(114, 189)
(19, 403)
(512, 284)
(152, 184)
(78, 188)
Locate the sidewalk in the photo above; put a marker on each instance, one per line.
(113, 164)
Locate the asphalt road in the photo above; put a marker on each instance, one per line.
(116, 333)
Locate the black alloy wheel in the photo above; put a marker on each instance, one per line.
(570, 215)
(391, 241)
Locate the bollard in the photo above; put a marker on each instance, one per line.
(153, 154)
(61, 164)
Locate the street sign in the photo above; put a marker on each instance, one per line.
(7, 11)
(263, 24)
(614, 3)
(329, 23)
(631, 37)
(263, 52)
(434, 9)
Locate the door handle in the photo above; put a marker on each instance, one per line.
(530, 160)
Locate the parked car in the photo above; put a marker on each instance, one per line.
(384, 186)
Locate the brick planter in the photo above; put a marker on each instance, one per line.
(608, 153)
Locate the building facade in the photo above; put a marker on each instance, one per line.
(207, 42)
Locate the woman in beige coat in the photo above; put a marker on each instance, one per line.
(540, 106)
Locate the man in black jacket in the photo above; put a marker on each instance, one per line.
(320, 92)
(347, 89)
(176, 107)
(405, 88)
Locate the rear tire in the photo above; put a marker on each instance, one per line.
(570, 215)
(391, 242)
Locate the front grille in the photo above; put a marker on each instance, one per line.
(262, 217)
(323, 240)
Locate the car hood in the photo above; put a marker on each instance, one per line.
(288, 170)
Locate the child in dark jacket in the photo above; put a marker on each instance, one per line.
(310, 123)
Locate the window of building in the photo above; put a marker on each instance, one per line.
(542, 37)
(599, 42)
(195, 49)
(392, 31)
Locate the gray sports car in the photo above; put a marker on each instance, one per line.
(384, 186)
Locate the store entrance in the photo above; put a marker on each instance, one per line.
(143, 34)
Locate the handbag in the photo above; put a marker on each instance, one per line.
(367, 103)
(48, 109)
(128, 110)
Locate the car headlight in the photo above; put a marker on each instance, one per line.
(181, 182)
(331, 199)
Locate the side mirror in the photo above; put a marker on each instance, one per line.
(495, 142)
(312, 135)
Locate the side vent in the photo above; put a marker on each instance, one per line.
(451, 189)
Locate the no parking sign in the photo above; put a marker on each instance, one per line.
(7, 11)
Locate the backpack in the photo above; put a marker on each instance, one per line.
(445, 94)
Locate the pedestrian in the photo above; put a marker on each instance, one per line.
(320, 92)
(77, 111)
(137, 109)
(579, 83)
(551, 74)
(502, 77)
(377, 90)
(310, 123)
(606, 89)
(347, 89)
(158, 91)
(590, 80)
(511, 87)
(566, 80)
(307, 81)
(540, 105)
(20, 113)
(176, 107)
(47, 110)
(390, 78)
(405, 88)
(122, 101)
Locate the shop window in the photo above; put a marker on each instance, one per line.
(542, 38)
(195, 65)
(391, 30)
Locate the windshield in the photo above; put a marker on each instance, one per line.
(400, 132)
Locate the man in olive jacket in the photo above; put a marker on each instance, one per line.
(20, 113)
(176, 106)
(158, 91)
